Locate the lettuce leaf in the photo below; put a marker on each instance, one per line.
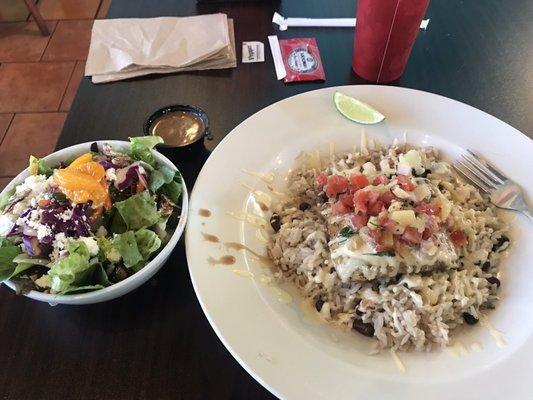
(147, 242)
(173, 189)
(140, 148)
(160, 176)
(4, 198)
(126, 244)
(138, 211)
(72, 271)
(8, 252)
(136, 247)
(39, 167)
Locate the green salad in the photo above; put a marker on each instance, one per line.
(90, 221)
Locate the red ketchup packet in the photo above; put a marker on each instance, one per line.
(302, 60)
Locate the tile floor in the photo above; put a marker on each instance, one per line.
(39, 75)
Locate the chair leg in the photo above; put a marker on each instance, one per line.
(32, 8)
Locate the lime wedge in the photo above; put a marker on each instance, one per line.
(356, 110)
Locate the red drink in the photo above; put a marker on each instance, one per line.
(384, 35)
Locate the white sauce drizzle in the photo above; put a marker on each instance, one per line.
(244, 273)
(496, 334)
(258, 195)
(259, 235)
(476, 347)
(268, 178)
(252, 219)
(398, 361)
(457, 349)
(282, 295)
(311, 315)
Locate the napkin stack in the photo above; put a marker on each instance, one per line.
(128, 47)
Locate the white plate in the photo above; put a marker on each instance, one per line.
(272, 340)
(137, 279)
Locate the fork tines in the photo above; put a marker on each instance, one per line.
(479, 172)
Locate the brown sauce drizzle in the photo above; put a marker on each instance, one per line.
(224, 260)
(239, 246)
(210, 238)
(203, 212)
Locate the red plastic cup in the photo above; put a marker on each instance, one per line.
(384, 35)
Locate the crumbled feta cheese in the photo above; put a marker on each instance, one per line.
(369, 170)
(37, 185)
(412, 159)
(6, 224)
(111, 175)
(386, 168)
(91, 244)
(58, 245)
(66, 215)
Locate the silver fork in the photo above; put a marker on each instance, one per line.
(503, 192)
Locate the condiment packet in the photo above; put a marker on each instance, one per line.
(301, 59)
(253, 52)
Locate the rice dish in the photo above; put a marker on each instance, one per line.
(389, 242)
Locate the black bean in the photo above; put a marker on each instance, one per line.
(275, 222)
(494, 281)
(500, 242)
(304, 206)
(362, 328)
(485, 266)
(441, 187)
(331, 270)
(469, 319)
(359, 312)
(322, 197)
(318, 305)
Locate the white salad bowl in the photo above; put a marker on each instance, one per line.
(137, 279)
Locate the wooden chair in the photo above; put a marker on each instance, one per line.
(32, 8)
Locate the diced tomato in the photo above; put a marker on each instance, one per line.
(359, 220)
(389, 225)
(359, 181)
(336, 184)
(360, 200)
(376, 235)
(428, 208)
(375, 208)
(386, 198)
(373, 196)
(458, 238)
(346, 199)
(411, 236)
(381, 180)
(338, 208)
(322, 179)
(405, 183)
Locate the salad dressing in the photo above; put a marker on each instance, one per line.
(239, 246)
(210, 238)
(224, 260)
(178, 128)
(203, 212)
